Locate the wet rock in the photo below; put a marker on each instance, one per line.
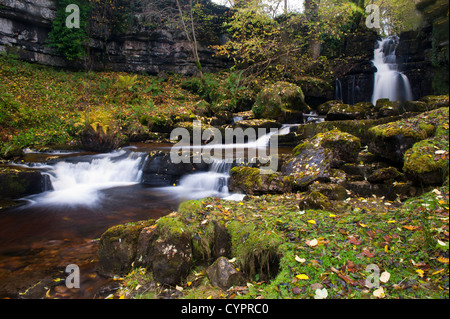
(386, 108)
(250, 181)
(223, 274)
(308, 165)
(257, 123)
(117, 248)
(324, 108)
(389, 190)
(160, 170)
(101, 140)
(20, 182)
(357, 111)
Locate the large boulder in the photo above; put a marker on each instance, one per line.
(19, 182)
(392, 140)
(166, 250)
(358, 111)
(274, 100)
(117, 248)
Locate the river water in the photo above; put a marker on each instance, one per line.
(88, 194)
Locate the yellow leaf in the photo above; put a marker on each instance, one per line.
(420, 272)
(189, 283)
(302, 277)
(332, 215)
(362, 225)
(311, 221)
(392, 221)
(442, 259)
(437, 272)
(386, 248)
(409, 227)
(209, 297)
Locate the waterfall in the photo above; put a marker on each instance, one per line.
(79, 183)
(338, 90)
(389, 82)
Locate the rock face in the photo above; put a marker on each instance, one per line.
(25, 25)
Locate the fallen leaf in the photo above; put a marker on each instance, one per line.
(312, 243)
(420, 272)
(311, 221)
(300, 260)
(379, 293)
(366, 252)
(332, 215)
(384, 277)
(354, 241)
(176, 287)
(321, 294)
(442, 259)
(409, 227)
(437, 271)
(302, 277)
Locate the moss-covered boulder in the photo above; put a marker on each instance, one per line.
(357, 111)
(324, 108)
(117, 248)
(274, 100)
(222, 273)
(392, 140)
(249, 180)
(313, 159)
(19, 182)
(435, 101)
(384, 174)
(166, 249)
(385, 108)
(344, 146)
(330, 190)
(257, 123)
(427, 161)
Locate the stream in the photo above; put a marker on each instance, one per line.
(87, 194)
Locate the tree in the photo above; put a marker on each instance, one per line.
(312, 14)
(190, 34)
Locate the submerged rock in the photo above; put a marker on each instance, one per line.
(357, 111)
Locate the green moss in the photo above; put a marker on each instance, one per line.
(171, 227)
(248, 177)
(256, 251)
(422, 157)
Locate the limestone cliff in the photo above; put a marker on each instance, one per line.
(25, 26)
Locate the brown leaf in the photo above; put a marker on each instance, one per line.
(366, 252)
(354, 241)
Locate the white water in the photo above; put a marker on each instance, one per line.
(81, 183)
(389, 82)
(215, 181)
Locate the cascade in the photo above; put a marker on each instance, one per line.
(79, 181)
(389, 82)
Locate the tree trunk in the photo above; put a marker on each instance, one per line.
(312, 13)
(192, 39)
